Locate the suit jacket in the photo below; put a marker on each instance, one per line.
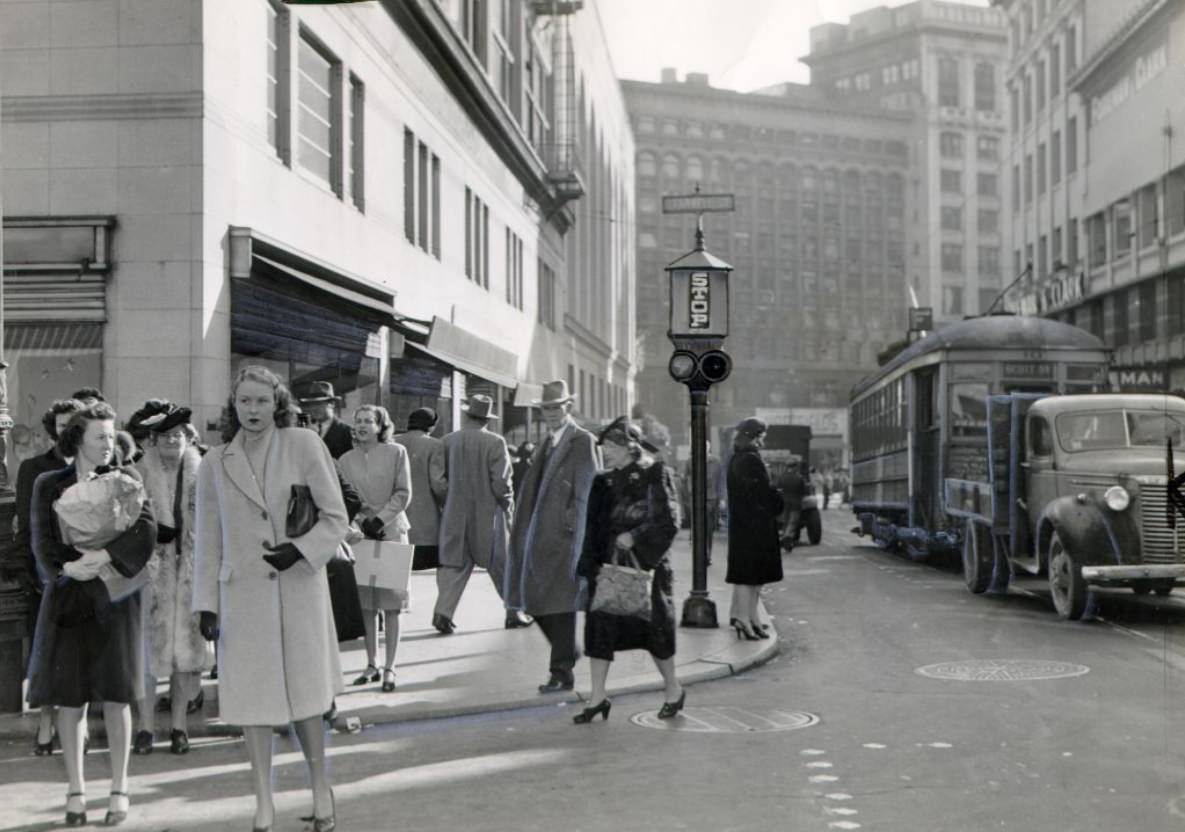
(277, 652)
(338, 437)
(480, 503)
(549, 532)
(429, 486)
(26, 475)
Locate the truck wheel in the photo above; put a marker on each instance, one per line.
(977, 557)
(814, 527)
(1066, 584)
(1164, 589)
(1141, 588)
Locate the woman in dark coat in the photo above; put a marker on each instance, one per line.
(88, 648)
(754, 556)
(631, 508)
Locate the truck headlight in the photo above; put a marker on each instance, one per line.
(1117, 498)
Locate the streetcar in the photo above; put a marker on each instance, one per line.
(919, 423)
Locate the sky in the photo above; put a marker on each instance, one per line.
(742, 44)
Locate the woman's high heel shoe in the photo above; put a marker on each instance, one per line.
(589, 714)
(44, 749)
(117, 811)
(759, 630)
(327, 824)
(669, 709)
(742, 630)
(388, 681)
(77, 815)
(367, 676)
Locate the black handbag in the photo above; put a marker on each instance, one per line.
(343, 598)
(302, 512)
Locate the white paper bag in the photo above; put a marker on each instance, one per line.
(384, 565)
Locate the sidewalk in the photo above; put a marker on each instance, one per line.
(484, 667)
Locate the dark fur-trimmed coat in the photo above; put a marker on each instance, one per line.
(172, 640)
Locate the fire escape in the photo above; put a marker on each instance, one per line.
(561, 153)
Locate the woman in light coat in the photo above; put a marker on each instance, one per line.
(263, 595)
(175, 648)
(378, 470)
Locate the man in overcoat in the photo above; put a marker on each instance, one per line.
(321, 404)
(429, 486)
(477, 512)
(548, 536)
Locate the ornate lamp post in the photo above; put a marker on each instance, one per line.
(698, 327)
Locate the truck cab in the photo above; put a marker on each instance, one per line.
(1082, 497)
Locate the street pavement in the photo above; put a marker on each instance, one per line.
(838, 731)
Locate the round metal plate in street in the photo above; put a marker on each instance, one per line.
(1002, 670)
(727, 719)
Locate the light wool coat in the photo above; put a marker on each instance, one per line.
(480, 502)
(277, 653)
(429, 486)
(172, 639)
(548, 535)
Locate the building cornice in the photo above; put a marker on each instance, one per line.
(980, 33)
(448, 54)
(1116, 41)
(18, 108)
(823, 106)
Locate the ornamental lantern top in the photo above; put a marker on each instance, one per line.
(699, 294)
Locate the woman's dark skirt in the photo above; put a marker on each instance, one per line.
(605, 633)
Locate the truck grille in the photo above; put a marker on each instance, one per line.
(1161, 543)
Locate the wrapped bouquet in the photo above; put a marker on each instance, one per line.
(96, 510)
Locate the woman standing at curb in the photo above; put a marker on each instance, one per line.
(631, 514)
(262, 594)
(378, 470)
(754, 552)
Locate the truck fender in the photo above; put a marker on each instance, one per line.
(1093, 534)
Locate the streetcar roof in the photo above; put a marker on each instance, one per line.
(1162, 402)
(995, 332)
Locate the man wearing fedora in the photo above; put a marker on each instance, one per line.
(478, 511)
(321, 403)
(548, 536)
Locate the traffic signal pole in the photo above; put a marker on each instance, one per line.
(699, 610)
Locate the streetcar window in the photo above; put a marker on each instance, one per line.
(968, 409)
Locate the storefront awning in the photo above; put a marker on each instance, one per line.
(469, 353)
(265, 264)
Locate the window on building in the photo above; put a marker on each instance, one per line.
(695, 169)
(357, 157)
(1030, 263)
(1055, 70)
(952, 300)
(647, 165)
(951, 145)
(1014, 102)
(987, 184)
(1146, 298)
(1028, 100)
(1122, 223)
(987, 147)
(670, 166)
(1055, 249)
(989, 260)
(1016, 262)
(504, 39)
(409, 186)
(474, 19)
(952, 257)
(1071, 49)
(1174, 201)
(1090, 317)
(1096, 230)
(988, 221)
(279, 59)
(1041, 168)
(423, 196)
(951, 181)
(985, 87)
(514, 270)
(1072, 243)
(1028, 177)
(1149, 218)
(537, 109)
(952, 218)
(319, 126)
(1043, 256)
(1055, 157)
(477, 240)
(1040, 85)
(1015, 187)
(948, 82)
(1071, 144)
(1120, 328)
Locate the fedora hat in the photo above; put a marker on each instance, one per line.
(479, 407)
(554, 392)
(319, 391)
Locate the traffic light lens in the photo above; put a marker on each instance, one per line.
(715, 365)
(682, 366)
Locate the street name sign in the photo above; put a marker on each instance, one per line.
(699, 204)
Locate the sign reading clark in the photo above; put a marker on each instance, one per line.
(1054, 294)
(1146, 67)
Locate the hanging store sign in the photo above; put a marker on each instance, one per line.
(1138, 380)
(1145, 68)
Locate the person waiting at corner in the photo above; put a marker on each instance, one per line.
(264, 596)
(378, 470)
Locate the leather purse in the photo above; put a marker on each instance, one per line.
(622, 589)
(302, 512)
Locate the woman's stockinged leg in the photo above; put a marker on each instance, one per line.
(117, 718)
(71, 730)
(371, 639)
(45, 725)
(184, 687)
(311, 732)
(673, 690)
(391, 636)
(599, 669)
(259, 751)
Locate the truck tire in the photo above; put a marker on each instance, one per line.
(977, 557)
(1066, 584)
(814, 527)
(1164, 589)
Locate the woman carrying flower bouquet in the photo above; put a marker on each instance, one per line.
(631, 519)
(174, 645)
(260, 585)
(87, 646)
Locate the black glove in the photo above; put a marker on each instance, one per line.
(208, 626)
(283, 556)
(165, 534)
(372, 527)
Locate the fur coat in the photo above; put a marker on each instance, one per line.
(172, 641)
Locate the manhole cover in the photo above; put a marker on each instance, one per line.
(726, 719)
(1002, 670)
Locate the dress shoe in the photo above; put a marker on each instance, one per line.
(369, 676)
(44, 749)
(194, 705)
(669, 709)
(117, 812)
(76, 809)
(589, 714)
(178, 742)
(518, 618)
(557, 684)
(327, 824)
(142, 744)
(443, 624)
(388, 681)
